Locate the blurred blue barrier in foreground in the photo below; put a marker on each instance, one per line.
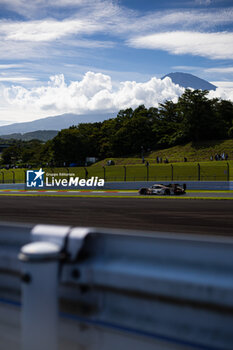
(112, 289)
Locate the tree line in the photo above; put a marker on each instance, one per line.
(193, 118)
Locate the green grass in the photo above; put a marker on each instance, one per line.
(8, 176)
(132, 169)
(209, 171)
(198, 152)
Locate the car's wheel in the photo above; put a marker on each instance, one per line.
(143, 191)
(167, 192)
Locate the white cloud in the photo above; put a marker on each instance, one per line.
(15, 79)
(35, 7)
(223, 84)
(102, 15)
(191, 19)
(50, 31)
(47, 30)
(212, 45)
(9, 66)
(220, 70)
(122, 17)
(225, 92)
(203, 2)
(94, 92)
(188, 68)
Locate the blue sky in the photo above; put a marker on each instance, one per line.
(85, 56)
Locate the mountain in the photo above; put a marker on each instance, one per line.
(42, 135)
(187, 80)
(53, 123)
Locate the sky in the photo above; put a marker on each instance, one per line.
(94, 56)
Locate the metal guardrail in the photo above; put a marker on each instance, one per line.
(115, 289)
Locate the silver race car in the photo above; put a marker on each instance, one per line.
(160, 189)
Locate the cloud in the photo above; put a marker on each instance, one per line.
(55, 26)
(188, 68)
(15, 79)
(94, 92)
(52, 37)
(220, 70)
(212, 45)
(223, 84)
(225, 92)
(88, 17)
(120, 16)
(191, 19)
(41, 7)
(47, 30)
(203, 2)
(10, 66)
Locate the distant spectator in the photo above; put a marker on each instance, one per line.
(157, 159)
(226, 156)
(223, 156)
(211, 158)
(166, 161)
(161, 160)
(147, 163)
(185, 159)
(86, 173)
(143, 160)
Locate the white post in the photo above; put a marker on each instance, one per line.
(39, 295)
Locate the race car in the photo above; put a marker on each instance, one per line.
(161, 189)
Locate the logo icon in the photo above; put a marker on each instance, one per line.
(35, 178)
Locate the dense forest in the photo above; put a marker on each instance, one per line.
(193, 118)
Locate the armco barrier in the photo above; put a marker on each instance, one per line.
(95, 289)
(191, 185)
(135, 185)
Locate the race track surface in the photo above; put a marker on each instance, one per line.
(213, 217)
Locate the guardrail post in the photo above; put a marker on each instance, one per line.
(39, 295)
(124, 173)
(228, 172)
(104, 173)
(68, 172)
(198, 172)
(172, 172)
(13, 176)
(86, 173)
(25, 178)
(2, 172)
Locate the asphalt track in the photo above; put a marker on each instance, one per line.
(212, 217)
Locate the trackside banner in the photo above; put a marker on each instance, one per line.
(39, 179)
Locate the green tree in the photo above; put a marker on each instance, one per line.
(199, 120)
(69, 146)
(168, 125)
